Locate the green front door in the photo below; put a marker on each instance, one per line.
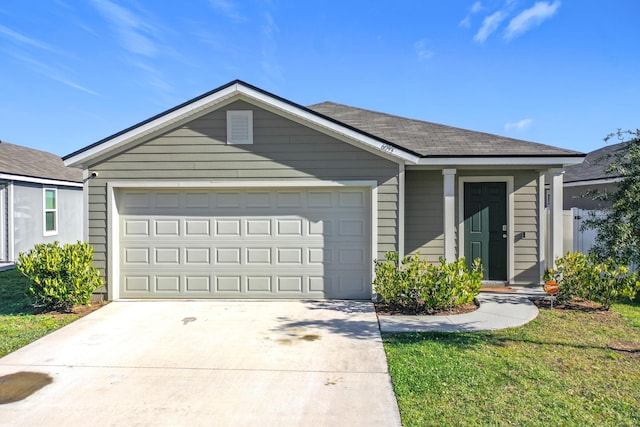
(485, 227)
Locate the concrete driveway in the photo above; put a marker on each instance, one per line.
(222, 363)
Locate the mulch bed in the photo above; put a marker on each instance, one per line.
(82, 310)
(496, 289)
(383, 309)
(576, 305)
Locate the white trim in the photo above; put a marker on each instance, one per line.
(556, 230)
(240, 184)
(86, 175)
(586, 183)
(55, 211)
(239, 90)
(4, 238)
(449, 213)
(113, 244)
(542, 224)
(44, 181)
(499, 161)
(401, 209)
(373, 211)
(10, 222)
(113, 216)
(509, 180)
(153, 125)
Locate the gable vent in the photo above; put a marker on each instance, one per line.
(239, 127)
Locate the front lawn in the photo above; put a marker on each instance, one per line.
(20, 322)
(565, 368)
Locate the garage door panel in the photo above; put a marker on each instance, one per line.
(197, 228)
(136, 227)
(245, 244)
(167, 284)
(197, 255)
(167, 227)
(228, 284)
(229, 256)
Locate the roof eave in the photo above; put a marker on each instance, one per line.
(505, 160)
(39, 180)
(594, 181)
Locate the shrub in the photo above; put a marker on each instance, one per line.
(604, 281)
(61, 276)
(413, 282)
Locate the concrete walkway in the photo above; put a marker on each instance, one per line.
(204, 363)
(496, 311)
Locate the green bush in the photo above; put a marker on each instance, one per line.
(585, 277)
(413, 282)
(61, 276)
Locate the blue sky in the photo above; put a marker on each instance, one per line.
(564, 73)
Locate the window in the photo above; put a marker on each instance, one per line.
(50, 211)
(239, 127)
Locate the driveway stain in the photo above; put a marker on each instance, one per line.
(333, 381)
(295, 337)
(188, 320)
(20, 385)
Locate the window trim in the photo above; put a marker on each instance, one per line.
(46, 232)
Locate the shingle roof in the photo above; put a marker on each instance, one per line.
(434, 140)
(595, 164)
(23, 161)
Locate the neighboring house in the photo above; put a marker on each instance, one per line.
(40, 200)
(239, 193)
(581, 183)
(582, 180)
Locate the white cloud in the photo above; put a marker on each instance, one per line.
(423, 50)
(21, 39)
(489, 25)
(134, 32)
(228, 9)
(475, 8)
(50, 72)
(518, 126)
(530, 18)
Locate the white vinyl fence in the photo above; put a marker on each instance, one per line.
(574, 238)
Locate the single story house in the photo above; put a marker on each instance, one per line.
(591, 175)
(40, 200)
(239, 193)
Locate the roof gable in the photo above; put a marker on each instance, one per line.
(30, 163)
(216, 99)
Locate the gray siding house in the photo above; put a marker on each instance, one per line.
(40, 200)
(239, 193)
(590, 176)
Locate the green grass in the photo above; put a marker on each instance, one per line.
(561, 369)
(20, 322)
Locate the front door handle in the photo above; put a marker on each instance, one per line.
(504, 236)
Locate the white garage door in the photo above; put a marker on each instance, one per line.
(250, 243)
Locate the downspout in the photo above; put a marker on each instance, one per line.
(401, 209)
